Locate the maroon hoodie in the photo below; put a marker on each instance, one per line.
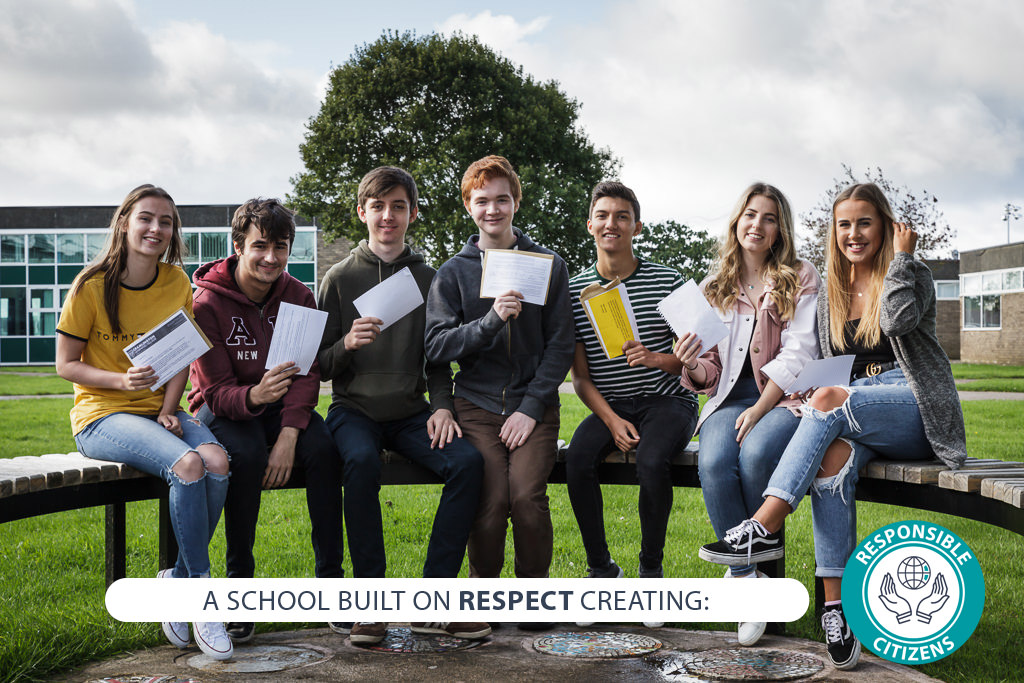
(240, 332)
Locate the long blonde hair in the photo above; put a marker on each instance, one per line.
(112, 260)
(781, 265)
(869, 330)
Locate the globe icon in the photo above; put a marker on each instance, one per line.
(913, 572)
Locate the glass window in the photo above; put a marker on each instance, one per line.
(42, 298)
(72, 248)
(991, 282)
(990, 311)
(12, 311)
(191, 246)
(972, 312)
(971, 284)
(93, 245)
(12, 249)
(215, 246)
(43, 324)
(41, 248)
(303, 246)
(64, 295)
(947, 290)
(1012, 280)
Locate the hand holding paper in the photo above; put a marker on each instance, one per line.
(686, 310)
(391, 300)
(526, 272)
(297, 335)
(164, 351)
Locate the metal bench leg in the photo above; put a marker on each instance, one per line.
(168, 543)
(115, 543)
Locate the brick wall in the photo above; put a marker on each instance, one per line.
(998, 346)
(329, 253)
(947, 327)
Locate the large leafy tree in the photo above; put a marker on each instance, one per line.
(432, 105)
(920, 210)
(688, 250)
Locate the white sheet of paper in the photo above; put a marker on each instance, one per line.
(168, 348)
(823, 372)
(297, 334)
(392, 299)
(686, 310)
(524, 271)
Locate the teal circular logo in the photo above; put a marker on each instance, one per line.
(913, 592)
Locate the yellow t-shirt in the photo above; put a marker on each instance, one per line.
(84, 317)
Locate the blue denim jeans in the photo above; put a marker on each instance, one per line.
(665, 425)
(195, 506)
(360, 440)
(733, 476)
(316, 464)
(880, 418)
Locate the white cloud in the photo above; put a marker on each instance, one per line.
(700, 98)
(502, 32)
(100, 104)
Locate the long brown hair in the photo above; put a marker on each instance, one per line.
(112, 260)
(781, 265)
(869, 330)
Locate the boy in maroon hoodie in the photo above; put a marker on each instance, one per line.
(264, 418)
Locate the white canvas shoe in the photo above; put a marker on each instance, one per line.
(213, 639)
(175, 631)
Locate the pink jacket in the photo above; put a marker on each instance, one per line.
(778, 349)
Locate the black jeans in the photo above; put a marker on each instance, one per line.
(359, 440)
(247, 442)
(665, 425)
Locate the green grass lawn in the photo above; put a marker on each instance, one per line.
(51, 567)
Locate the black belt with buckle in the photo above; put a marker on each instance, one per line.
(873, 369)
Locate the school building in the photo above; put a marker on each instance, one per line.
(43, 248)
(992, 303)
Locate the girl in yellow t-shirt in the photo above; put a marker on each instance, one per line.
(125, 292)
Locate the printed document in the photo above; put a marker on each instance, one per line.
(823, 372)
(526, 272)
(297, 334)
(611, 315)
(391, 300)
(169, 347)
(686, 310)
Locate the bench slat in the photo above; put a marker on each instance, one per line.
(928, 472)
(969, 481)
(1001, 488)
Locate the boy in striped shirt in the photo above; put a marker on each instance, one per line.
(636, 399)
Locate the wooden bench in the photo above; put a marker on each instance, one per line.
(989, 491)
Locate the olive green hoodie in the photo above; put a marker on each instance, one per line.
(386, 379)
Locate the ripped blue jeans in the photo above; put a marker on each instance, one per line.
(880, 418)
(195, 506)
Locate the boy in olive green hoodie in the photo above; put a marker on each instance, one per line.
(379, 380)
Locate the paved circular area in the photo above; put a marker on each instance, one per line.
(400, 640)
(594, 644)
(260, 659)
(752, 665)
(144, 678)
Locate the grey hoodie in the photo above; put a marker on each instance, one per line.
(504, 366)
(384, 380)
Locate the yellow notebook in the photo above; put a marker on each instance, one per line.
(611, 315)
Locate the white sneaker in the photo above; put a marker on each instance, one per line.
(175, 631)
(654, 624)
(213, 639)
(749, 632)
(585, 623)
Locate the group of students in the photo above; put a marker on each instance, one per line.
(490, 432)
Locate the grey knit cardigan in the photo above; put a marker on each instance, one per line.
(908, 321)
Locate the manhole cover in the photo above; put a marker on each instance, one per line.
(402, 640)
(593, 644)
(259, 659)
(144, 678)
(753, 665)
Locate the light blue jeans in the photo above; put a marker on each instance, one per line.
(141, 442)
(733, 476)
(880, 418)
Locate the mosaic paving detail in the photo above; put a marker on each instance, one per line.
(672, 666)
(402, 640)
(594, 644)
(143, 678)
(259, 659)
(753, 665)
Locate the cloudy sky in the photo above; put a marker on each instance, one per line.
(698, 98)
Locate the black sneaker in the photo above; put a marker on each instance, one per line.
(241, 631)
(650, 572)
(843, 646)
(612, 571)
(748, 543)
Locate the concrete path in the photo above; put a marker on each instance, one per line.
(508, 655)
